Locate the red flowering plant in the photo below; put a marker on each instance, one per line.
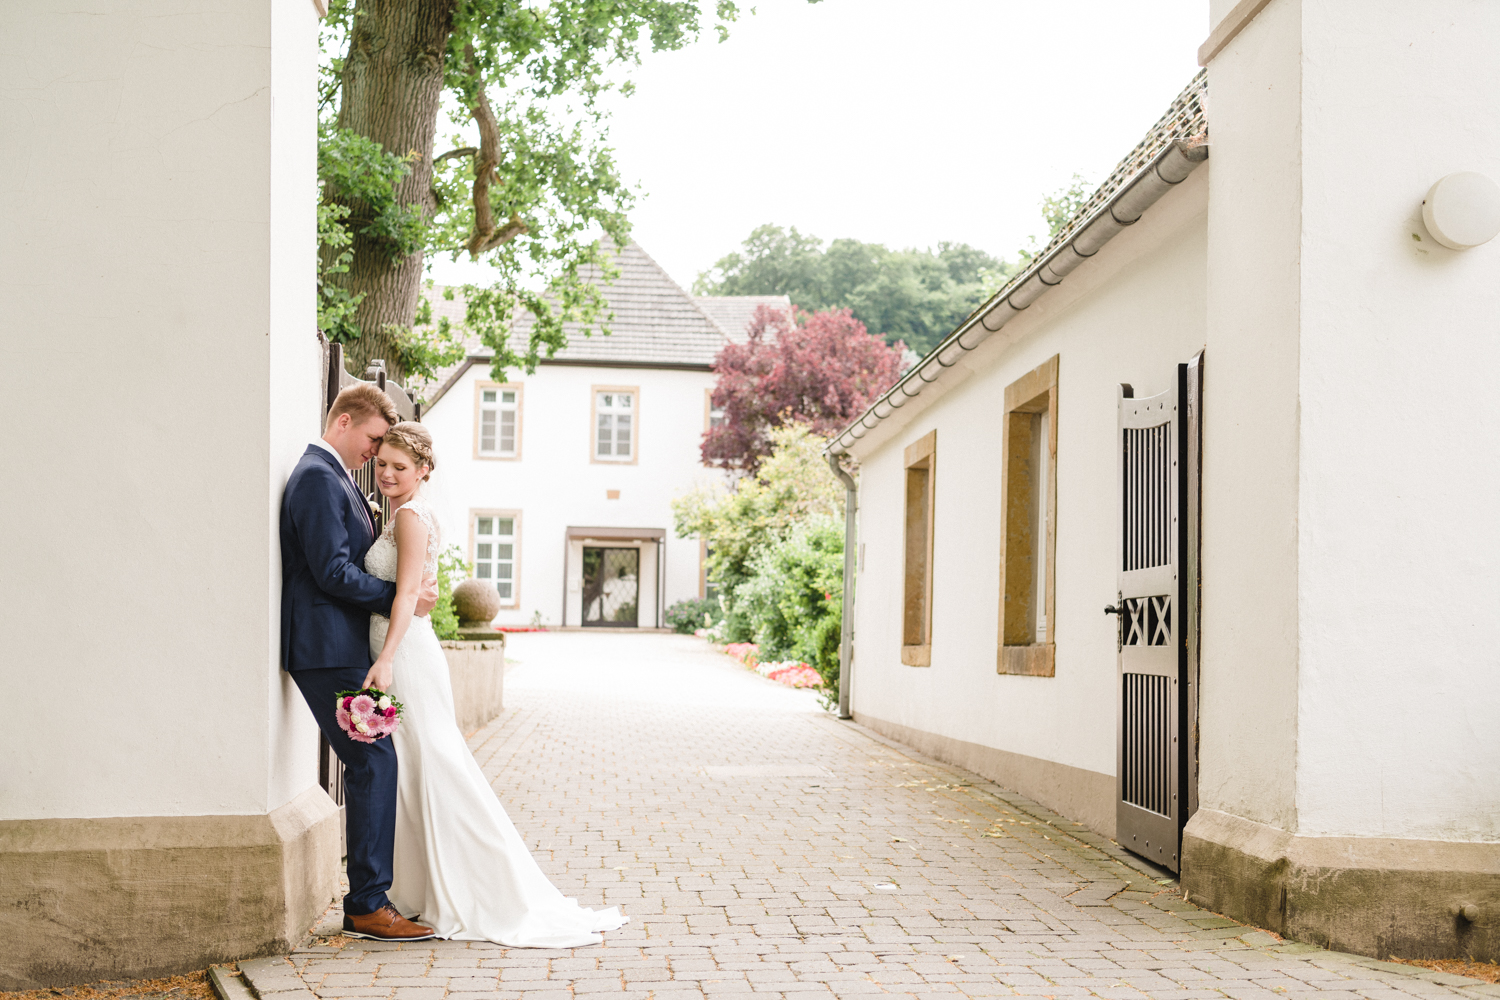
(820, 369)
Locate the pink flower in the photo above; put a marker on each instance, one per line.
(345, 723)
(363, 704)
(390, 713)
(348, 700)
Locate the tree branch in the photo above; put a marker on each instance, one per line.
(432, 189)
(486, 235)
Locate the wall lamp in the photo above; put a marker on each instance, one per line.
(1462, 210)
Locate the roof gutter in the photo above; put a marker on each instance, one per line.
(1166, 170)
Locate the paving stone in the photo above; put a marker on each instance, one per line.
(887, 873)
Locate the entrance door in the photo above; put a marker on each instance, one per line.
(611, 586)
(1150, 761)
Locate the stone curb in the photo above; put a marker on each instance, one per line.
(273, 979)
(228, 986)
(1473, 986)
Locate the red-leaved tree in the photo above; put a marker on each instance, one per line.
(822, 369)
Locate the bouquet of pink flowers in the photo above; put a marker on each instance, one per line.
(368, 714)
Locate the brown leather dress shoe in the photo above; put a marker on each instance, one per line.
(385, 924)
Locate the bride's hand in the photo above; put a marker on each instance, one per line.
(381, 675)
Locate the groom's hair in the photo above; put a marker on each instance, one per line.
(362, 402)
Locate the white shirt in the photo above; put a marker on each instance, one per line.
(320, 443)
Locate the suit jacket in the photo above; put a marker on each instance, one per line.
(326, 595)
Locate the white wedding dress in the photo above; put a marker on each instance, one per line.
(459, 861)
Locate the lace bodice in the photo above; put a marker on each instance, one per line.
(380, 561)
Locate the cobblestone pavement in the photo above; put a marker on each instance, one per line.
(764, 850)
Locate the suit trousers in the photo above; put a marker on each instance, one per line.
(369, 789)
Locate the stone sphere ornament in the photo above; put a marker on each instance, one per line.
(476, 601)
(1462, 210)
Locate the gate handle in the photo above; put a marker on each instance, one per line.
(1110, 609)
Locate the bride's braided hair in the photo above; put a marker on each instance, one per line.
(414, 439)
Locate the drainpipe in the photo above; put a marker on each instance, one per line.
(846, 630)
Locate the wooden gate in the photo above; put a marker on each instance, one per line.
(1157, 613)
(335, 380)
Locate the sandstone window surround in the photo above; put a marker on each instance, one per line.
(497, 420)
(1028, 535)
(916, 621)
(713, 416)
(495, 551)
(615, 423)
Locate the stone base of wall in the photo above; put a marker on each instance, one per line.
(1370, 896)
(1085, 796)
(127, 898)
(477, 673)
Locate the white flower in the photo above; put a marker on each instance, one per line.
(384, 702)
(360, 725)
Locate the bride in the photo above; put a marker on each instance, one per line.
(459, 861)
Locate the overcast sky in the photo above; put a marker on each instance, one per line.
(903, 122)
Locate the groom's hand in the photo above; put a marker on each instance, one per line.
(427, 597)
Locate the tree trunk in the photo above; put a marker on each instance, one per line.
(391, 92)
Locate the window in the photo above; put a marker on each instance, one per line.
(916, 623)
(494, 552)
(1028, 537)
(713, 415)
(615, 423)
(497, 417)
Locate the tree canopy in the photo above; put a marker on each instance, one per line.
(517, 173)
(914, 296)
(816, 369)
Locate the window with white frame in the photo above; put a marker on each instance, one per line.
(614, 425)
(499, 412)
(495, 553)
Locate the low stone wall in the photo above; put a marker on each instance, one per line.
(1376, 896)
(139, 897)
(476, 670)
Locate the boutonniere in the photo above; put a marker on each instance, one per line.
(375, 510)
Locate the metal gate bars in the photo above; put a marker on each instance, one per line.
(1157, 446)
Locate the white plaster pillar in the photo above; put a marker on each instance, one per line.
(1350, 702)
(157, 263)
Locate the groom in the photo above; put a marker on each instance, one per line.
(326, 602)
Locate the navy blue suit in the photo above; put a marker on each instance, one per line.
(326, 602)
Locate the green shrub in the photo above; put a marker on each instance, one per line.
(688, 616)
(452, 569)
(793, 602)
(741, 521)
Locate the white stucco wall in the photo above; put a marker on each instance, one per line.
(1129, 315)
(155, 260)
(1399, 548)
(1248, 698)
(1351, 564)
(554, 485)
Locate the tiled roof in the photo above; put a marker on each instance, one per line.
(733, 313)
(1137, 181)
(655, 321)
(1186, 119)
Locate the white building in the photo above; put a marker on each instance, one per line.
(1301, 706)
(159, 804)
(558, 485)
